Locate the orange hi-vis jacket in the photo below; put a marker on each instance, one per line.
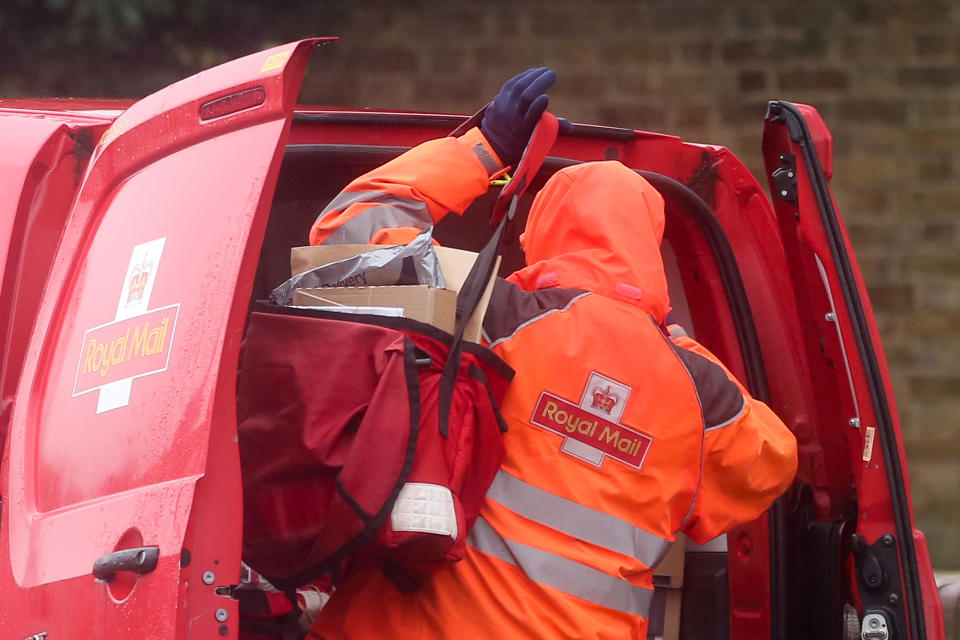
(619, 437)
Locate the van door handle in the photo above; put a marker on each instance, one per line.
(140, 560)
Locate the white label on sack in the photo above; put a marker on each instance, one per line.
(425, 507)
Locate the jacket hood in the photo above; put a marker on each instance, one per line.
(597, 226)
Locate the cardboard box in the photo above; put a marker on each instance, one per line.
(669, 573)
(664, 620)
(306, 258)
(437, 307)
(455, 265)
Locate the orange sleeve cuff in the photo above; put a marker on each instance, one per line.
(475, 141)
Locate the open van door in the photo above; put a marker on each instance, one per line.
(892, 580)
(122, 513)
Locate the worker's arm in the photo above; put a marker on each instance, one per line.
(749, 455)
(395, 202)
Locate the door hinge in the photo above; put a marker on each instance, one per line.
(785, 178)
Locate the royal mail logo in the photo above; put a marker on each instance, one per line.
(136, 343)
(592, 430)
(124, 349)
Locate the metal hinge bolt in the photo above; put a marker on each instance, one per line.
(874, 627)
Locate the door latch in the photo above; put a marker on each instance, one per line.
(881, 597)
(875, 627)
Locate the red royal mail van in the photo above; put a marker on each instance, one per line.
(134, 236)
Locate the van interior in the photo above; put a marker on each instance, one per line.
(693, 602)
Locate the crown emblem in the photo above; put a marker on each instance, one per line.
(604, 399)
(138, 281)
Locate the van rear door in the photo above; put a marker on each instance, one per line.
(43, 157)
(124, 418)
(855, 413)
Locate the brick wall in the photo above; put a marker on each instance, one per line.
(885, 77)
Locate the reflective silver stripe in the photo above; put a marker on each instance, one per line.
(527, 323)
(392, 211)
(589, 525)
(563, 574)
(489, 164)
(739, 415)
(676, 331)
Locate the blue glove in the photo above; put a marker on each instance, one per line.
(511, 118)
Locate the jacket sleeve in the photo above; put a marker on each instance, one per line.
(749, 455)
(396, 201)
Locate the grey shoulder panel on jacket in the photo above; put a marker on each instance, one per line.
(512, 308)
(720, 399)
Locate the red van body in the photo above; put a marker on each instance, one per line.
(134, 236)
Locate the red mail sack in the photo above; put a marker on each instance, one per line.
(342, 446)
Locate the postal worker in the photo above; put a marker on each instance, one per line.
(620, 436)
